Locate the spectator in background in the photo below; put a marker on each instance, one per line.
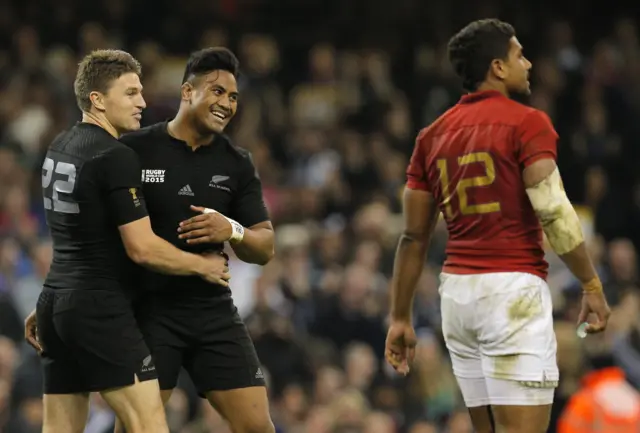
(606, 402)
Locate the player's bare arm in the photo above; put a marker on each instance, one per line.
(420, 216)
(564, 232)
(255, 244)
(149, 250)
(258, 244)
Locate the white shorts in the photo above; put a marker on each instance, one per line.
(499, 332)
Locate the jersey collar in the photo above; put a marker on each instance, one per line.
(164, 131)
(480, 96)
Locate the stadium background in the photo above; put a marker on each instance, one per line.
(333, 93)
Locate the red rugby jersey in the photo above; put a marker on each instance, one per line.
(471, 160)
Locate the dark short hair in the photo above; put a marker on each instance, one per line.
(207, 60)
(98, 70)
(473, 48)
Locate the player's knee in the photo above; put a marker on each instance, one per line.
(155, 425)
(160, 427)
(53, 428)
(148, 419)
(258, 424)
(155, 421)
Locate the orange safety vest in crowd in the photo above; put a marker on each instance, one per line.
(605, 404)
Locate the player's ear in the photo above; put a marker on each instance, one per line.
(186, 91)
(498, 68)
(97, 100)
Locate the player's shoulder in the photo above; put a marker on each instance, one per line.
(113, 150)
(524, 119)
(116, 154)
(517, 113)
(143, 136)
(240, 153)
(437, 127)
(83, 140)
(487, 108)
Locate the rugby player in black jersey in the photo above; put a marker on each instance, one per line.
(201, 192)
(86, 331)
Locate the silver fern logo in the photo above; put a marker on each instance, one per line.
(216, 180)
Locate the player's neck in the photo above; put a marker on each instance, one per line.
(98, 120)
(182, 128)
(495, 86)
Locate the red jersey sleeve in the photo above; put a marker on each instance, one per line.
(536, 139)
(417, 172)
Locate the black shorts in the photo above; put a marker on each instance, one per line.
(205, 336)
(91, 341)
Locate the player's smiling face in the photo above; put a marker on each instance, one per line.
(517, 67)
(214, 100)
(123, 103)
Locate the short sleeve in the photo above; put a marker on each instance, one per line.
(121, 184)
(248, 207)
(537, 139)
(416, 172)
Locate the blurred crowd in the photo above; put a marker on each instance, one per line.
(329, 107)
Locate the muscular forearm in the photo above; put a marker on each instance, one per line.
(409, 262)
(257, 246)
(160, 256)
(579, 263)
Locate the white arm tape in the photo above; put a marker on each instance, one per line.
(237, 231)
(557, 216)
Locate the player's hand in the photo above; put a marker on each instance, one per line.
(216, 268)
(595, 312)
(31, 332)
(400, 347)
(210, 228)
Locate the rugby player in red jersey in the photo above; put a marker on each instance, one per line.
(489, 166)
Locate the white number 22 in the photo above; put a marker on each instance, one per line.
(59, 186)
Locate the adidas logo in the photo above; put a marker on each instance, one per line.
(186, 190)
(259, 374)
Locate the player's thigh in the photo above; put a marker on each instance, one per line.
(246, 409)
(509, 406)
(66, 413)
(165, 336)
(515, 330)
(520, 407)
(100, 332)
(226, 370)
(138, 406)
(518, 348)
(458, 303)
(490, 320)
(522, 419)
(61, 371)
(482, 419)
(224, 356)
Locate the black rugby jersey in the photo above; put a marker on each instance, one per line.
(219, 176)
(91, 185)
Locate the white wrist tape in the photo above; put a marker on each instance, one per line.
(557, 216)
(237, 231)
